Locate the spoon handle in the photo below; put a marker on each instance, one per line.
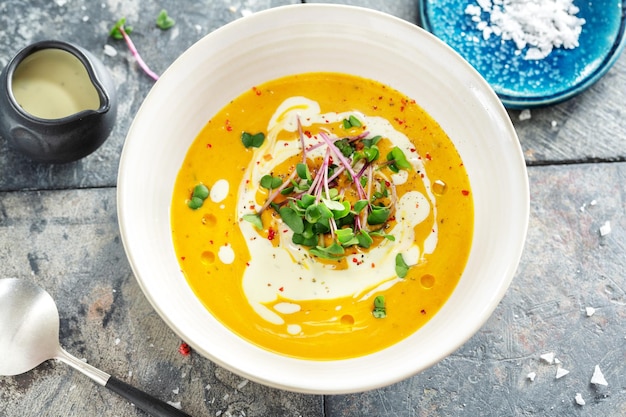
(146, 402)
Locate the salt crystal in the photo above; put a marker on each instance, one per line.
(605, 229)
(117, 341)
(548, 357)
(531, 376)
(525, 115)
(110, 51)
(590, 311)
(175, 404)
(579, 399)
(561, 372)
(598, 377)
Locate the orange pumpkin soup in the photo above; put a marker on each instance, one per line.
(322, 216)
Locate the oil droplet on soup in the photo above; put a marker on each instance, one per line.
(256, 278)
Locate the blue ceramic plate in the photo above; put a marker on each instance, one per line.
(522, 83)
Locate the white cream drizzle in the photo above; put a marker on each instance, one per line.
(288, 271)
(219, 191)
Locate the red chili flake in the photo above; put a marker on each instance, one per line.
(281, 289)
(257, 91)
(208, 145)
(373, 265)
(271, 234)
(252, 206)
(413, 149)
(392, 218)
(355, 260)
(423, 311)
(375, 107)
(387, 183)
(308, 134)
(229, 128)
(182, 258)
(465, 192)
(430, 158)
(247, 263)
(286, 144)
(184, 349)
(401, 108)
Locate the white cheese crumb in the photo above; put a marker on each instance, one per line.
(598, 377)
(110, 51)
(525, 115)
(175, 404)
(117, 341)
(590, 311)
(605, 229)
(548, 357)
(561, 372)
(531, 376)
(579, 399)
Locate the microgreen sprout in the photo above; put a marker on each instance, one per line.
(379, 311)
(252, 141)
(121, 31)
(164, 21)
(401, 267)
(337, 201)
(199, 194)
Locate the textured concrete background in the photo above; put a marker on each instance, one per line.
(58, 227)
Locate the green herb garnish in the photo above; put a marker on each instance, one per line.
(341, 200)
(198, 195)
(379, 311)
(163, 21)
(401, 267)
(252, 141)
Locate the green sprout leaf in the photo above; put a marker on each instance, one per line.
(252, 141)
(351, 121)
(255, 219)
(200, 191)
(292, 219)
(368, 143)
(334, 251)
(379, 311)
(116, 30)
(344, 146)
(303, 171)
(163, 21)
(270, 183)
(398, 160)
(364, 239)
(360, 205)
(378, 215)
(401, 267)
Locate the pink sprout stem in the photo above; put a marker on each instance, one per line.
(135, 53)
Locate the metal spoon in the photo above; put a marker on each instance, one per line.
(29, 335)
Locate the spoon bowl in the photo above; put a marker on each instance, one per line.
(29, 320)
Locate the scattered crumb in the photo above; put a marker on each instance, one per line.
(561, 372)
(579, 399)
(548, 357)
(130, 374)
(242, 384)
(531, 376)
(598, 377)
(176, 391)
(175, 404)
(246, 12)
(117, 341)
(85, 18)
(605, 229)
(110, 51)
(525, 115)
(590, 311)
(208, 387)
(593, 203)
(557, 361)
(554, 123)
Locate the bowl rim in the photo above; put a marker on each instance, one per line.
(321, 381)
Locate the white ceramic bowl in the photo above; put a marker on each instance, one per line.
(304, 38)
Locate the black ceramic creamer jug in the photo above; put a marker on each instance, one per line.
(57, 102)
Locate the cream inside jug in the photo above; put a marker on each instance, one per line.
(52, 84)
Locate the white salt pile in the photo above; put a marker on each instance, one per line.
(537, 26)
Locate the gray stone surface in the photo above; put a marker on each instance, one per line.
(58, 227)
